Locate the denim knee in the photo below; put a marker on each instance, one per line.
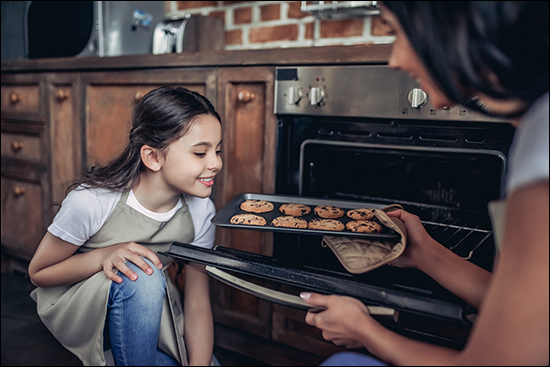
(146, 289)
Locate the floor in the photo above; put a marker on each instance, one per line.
(27, 342)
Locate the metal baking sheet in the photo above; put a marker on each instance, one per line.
(223, 217)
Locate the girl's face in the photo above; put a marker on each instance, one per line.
(404, 57)
(192, 162)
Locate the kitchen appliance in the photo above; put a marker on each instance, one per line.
(190, 33)
(369, 135)
(90, 28)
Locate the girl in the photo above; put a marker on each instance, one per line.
(100, 282)
(476, 53)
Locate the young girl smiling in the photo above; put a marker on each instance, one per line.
(99, 280)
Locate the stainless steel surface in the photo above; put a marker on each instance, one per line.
(374, 91)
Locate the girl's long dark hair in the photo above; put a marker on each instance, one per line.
(163, 116)
(466, 44)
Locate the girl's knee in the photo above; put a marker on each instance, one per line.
(147, 285)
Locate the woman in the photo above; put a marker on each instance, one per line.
(492, 57)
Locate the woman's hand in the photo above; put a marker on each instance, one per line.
(418, 240)
(341, 319)
(117, 255)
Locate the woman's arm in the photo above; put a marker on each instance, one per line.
(459, 276)
(199, 324)
(55, 264)
(512, 327)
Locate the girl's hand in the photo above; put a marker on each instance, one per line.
(418, 240)
(340, 321)
(117, 255)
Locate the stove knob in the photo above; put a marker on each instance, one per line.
(417, 98)
(316, 95)
(294, 95)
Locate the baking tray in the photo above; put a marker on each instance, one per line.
(223, 217)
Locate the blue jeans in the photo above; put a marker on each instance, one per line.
(134, 311)
(351, 359)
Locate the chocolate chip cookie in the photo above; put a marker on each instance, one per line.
(327, 211)
(249, 219)
(296, 210)
(326, 224)
(256, 206)
(289, 222)
(361, 214)
(364, 226)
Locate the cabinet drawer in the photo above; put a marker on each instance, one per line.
(20, 98)
(22, 224)
(21, 146)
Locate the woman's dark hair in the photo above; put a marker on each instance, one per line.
(466, 44)
(163, 116)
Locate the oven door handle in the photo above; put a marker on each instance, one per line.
(282, 298)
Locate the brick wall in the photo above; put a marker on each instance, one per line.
(273, 24)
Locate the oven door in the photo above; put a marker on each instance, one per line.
(223, 263)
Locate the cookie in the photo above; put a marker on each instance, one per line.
(250, 219)
(289, 222)
(326, 224)
(364, 226)
(361, 214)
(296, 210)
(256, 206)
(326, 211)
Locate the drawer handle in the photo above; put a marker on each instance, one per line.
(245, 96)
(18, 191)
(16, 146)
(61, 95)
(14, 97)
(138, 96)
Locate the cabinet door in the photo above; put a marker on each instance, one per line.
(245, 100)
(111, 97)
(65, 132)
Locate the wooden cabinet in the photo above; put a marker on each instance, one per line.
(25, 186)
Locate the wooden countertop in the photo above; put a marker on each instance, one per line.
(360, 54)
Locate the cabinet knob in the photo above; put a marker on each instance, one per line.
(61, 95)
(138, 96)
(18, 191)
(245, 96)
(16, 146)
(14, 97)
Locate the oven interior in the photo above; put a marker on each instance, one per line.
(445, 172)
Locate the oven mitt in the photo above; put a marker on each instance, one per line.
(360, 255)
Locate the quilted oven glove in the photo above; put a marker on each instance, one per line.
(359, 255)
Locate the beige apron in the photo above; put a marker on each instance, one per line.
(497, 212)
(75, 314)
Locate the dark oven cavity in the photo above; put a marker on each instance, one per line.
(367, 133)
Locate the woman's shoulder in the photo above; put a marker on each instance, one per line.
(84, 196)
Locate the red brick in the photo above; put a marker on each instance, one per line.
(294, 10)
(341, 28)
(242, 15)
(270, 12)
(277, 33)
(182, 5)
(217, 14)
(379, 27)
(309, 31)
(235, 2)
(234, 37)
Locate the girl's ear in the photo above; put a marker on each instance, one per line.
(151, 158)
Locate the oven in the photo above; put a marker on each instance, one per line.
(368, 134)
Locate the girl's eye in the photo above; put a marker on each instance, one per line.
(200, 155)
(218, 152)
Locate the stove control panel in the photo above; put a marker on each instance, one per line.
(371, 91)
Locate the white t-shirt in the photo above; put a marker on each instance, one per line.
(529, 151)
(83, 213)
